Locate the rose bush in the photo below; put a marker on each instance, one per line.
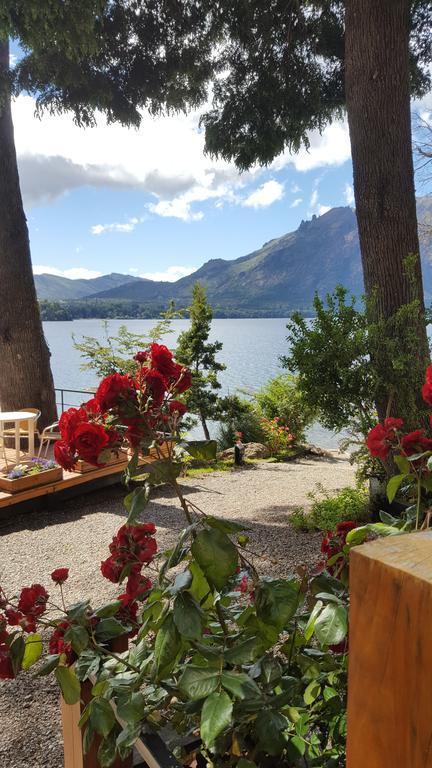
(254, 667)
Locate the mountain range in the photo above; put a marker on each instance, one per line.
(281, 276)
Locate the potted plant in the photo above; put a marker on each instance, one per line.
(30, 474)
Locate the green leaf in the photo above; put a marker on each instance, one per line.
(167, 646)
(393, 486)
(216, 555)
(248, 650)
(159, 472)
(78, 637)
(226, 526)
(240, 685)
(312, 692)
(136, 503)
(108, 629)
(182, 581)
(17, 649)
(69, 684)
(108, 610)
(102, 716)
(107, 752)
(87, 664)
(403, 464)
(187, 616)
(200, 588)
(276, 601)
(331, 625)
(198, 682)
(32, 651)
(358, 535)
(216, 716)
(309, 628)
(131, 709)
(243, 763)
(270, 727)
(202, 450)
(51, 662)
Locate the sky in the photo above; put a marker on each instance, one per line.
(149, 202)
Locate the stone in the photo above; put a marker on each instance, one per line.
(256, 451)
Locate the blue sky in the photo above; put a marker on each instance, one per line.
(150, 203)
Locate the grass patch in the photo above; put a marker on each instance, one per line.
(196, 468)
(326, 510)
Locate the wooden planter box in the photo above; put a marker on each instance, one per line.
(20, 484)
(121, 459)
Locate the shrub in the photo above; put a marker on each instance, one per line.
(281, 398)
(238, 415)
(326, 511)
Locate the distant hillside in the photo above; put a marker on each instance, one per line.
(281, 276)
(55, 288)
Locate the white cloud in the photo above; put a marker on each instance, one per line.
(128, 226)
(349, 194)
(296, 202)
(322, 209)
(75, 273)
(295, 189)
(314, 199)
(170, 275)
(265, 195)
(164, 158)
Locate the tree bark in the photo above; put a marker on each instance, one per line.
(25, 374)
(204, 426)
(378, 106)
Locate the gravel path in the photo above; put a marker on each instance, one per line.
(76, 535)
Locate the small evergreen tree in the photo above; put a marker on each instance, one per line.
(195, 351)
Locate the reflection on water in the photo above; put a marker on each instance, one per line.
(251, 351)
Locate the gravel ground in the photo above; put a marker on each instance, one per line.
(77, 533)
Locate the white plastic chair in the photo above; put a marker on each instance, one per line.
(48, 435)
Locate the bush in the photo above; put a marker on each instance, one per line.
(282, 399)
(238, 415)
(327, 511)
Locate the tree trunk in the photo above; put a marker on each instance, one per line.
(378, 105)
(25, 377)
(204, 426)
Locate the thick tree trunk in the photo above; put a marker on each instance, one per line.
(378, 105)
(25, 374)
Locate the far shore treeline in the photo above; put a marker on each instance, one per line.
(109, 309)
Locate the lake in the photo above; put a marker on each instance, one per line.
(251, 352)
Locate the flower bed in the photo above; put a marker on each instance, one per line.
(30, 474)
(119, 457)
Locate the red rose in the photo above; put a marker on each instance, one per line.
(380, 437)
(162, 360)
(57, 643)
(345, 527)
(92, 406)
(111, 570)
(14, 618)
(6, 668)
(416, 442)
(63, 455)
(60, 575)
(176, 406)
(156, 385)
(90, 440)
(141, 357)
(137, 585)
(113, 390)
(68, 422)
(182, 380)
(33, 600)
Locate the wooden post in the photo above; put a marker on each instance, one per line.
(390, 658)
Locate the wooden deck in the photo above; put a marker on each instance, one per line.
(72, 484)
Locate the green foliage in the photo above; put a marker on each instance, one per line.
(330, 356)
(236, 414)
(283, 399)
(115, 353)
(196, 352)
(327, 510)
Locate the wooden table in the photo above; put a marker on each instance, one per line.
(15, 417)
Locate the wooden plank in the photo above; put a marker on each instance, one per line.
(72, 737)
(390, 659)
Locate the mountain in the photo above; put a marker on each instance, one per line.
(281, 276)
(56, 288)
